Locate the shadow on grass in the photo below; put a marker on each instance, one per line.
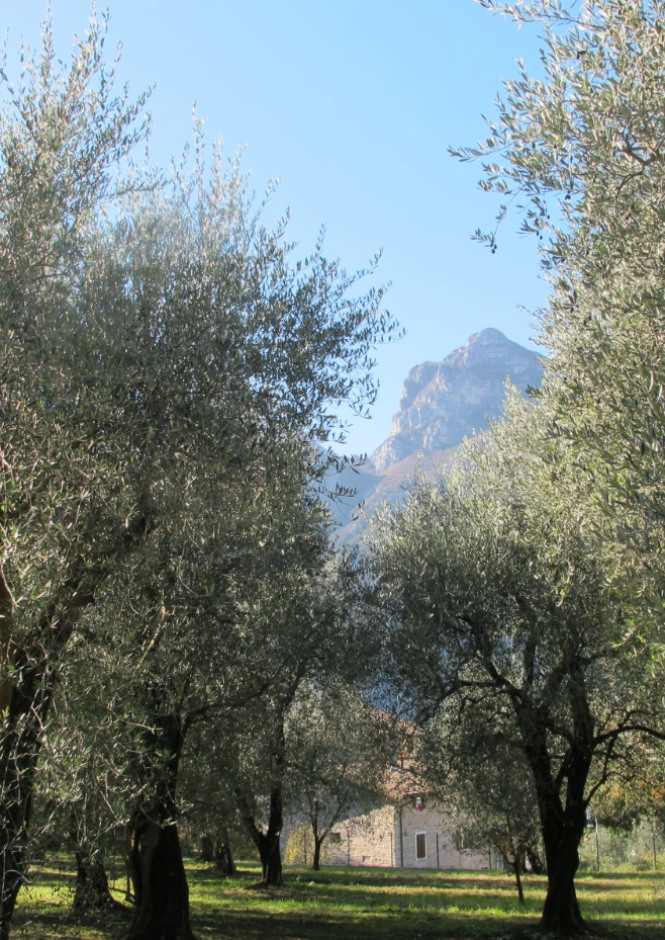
(369, 925)
(359, 903)
(57, 923)
(364, 904)
(292, 926)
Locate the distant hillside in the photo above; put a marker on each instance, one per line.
(442, 403)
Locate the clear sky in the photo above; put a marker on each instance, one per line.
(352, 104)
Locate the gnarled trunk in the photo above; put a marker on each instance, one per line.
(29, 702)
(518, 868)
(562, 835)
(561, 911)
(160, 883)
(207, 848)
(271, 860)
(317, 835)
(158, 872)
(268, 842)
(562, 808)
(91, 890)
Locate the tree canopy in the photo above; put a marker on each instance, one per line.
(171, 377)
(501, 621)
(576, 153)
(525, 592)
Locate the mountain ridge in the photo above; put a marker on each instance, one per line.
(442, 403)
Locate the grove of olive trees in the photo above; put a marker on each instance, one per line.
(171, 609)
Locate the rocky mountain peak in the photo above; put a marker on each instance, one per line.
(444, 402)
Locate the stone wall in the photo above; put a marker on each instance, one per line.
(413, 835)
(363, 840)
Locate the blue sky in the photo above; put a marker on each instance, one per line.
(352, 104)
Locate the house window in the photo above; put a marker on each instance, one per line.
(335, 837)
(421, 845)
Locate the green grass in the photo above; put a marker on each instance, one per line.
(358, 904)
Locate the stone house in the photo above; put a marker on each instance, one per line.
(415, 833)
(408, 829)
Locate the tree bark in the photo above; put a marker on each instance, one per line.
(91, 890)
(562, 815)
(224, 861)
(518, 869)
(316, 861)
(271, 860)
(535, 865)
(158, 872)
(268, 842)
(160, 884)
(317, 836)
(19, 748)
(561, 911)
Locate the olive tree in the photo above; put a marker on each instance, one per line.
(218, 587)
(302, 614)
(576, 151)
(338, 753)
(471, 758)
(154, 340)
(495, 602)
(64, 514)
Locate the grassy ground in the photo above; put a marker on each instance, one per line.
(360, 904)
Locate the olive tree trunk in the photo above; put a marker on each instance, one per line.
(267, 842)
(91, 889)
(562, 807)
(158, 872)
